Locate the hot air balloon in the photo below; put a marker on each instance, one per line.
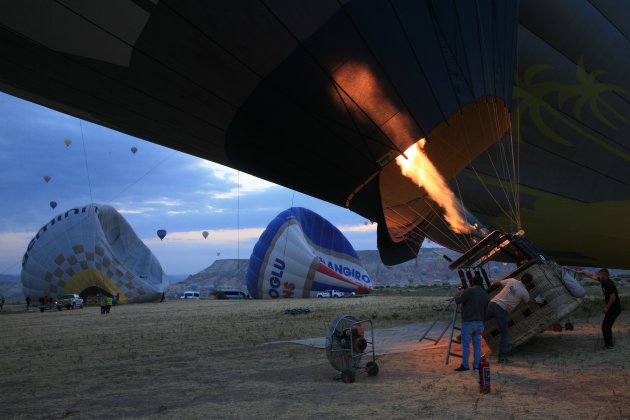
(67, 142)
(47, 178)
(204, 234)
(299, 254)
(161, 233)
(89, 250)
(134, 150)
(218, 254)
(527, 126)
(53, 204)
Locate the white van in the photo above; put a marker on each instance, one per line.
(190, 295)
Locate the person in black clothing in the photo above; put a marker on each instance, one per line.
(612, 305)
(473, 301)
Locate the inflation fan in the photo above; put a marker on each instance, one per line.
(346, 344)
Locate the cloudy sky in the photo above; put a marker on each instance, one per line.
(157, 188)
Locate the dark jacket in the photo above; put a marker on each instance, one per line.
(473, 301)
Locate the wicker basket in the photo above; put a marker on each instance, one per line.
(527, 320)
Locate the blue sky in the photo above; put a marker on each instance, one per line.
(157, 188)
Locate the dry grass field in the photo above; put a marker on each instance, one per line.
(211, 359)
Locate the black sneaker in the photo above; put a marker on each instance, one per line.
(461, 369)
(609, 347)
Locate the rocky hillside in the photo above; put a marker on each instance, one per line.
(228, 273)
(429, 268)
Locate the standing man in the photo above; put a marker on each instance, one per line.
(473, 301)
(103, 303)
(511, 294)
(28, 302)
(2, 304)
(612, 305)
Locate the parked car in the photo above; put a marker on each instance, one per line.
(69, 302)
(231, 294)
(330, 293)
(190, 295)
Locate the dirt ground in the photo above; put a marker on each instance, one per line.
(212, 359)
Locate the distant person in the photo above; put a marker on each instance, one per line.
(28, 302)
(2, 304)
(612, 304)
(511, 294)
(162, 298)
(117, 298)
(474, 302)
(103, 303)
(108, 303)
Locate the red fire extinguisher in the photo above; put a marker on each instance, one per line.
(484, 375)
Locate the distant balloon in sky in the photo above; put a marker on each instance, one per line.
(89, 250)
(53, 204)
(47, 178)
(161, 234)
(301, 253)
(67, 142)
(218, 254)
(205, 234)
(134, 150)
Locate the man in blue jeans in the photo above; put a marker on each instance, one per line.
(473, 302)
(511, 294)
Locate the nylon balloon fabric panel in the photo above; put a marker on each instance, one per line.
(300, 254)
(91, 250)
(247, 84)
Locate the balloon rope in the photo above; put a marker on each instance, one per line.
(502, 153)
(507, 212)
(429, 221)
(87, 171)
(143, 175)
(504, 166)
(238, 235)
(238, 221)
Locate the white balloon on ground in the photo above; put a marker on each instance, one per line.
(301, 253)
(90, 249)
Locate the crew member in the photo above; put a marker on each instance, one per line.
(473, 301)
(612, 305)
(511, 294)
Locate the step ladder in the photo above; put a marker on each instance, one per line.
(453, 327)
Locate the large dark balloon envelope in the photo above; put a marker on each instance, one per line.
(161, 234)
(322, 96)
(53, 204)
